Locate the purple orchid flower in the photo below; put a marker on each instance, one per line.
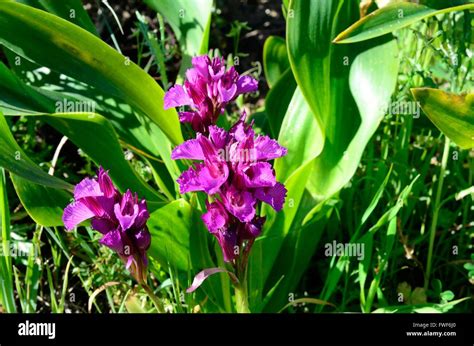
(208, 88)
(234, 169)
(120, 218)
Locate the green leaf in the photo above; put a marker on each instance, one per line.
(190, 21)
(371, 84)
(16, 161)
(301, 135)
(452, 114)
(308, 40)
(447, 296)
(141, 134)
(104, 150)
(66, 48)
(7, 294)
(345, 88)
(390, 18)
(275, 59)
(44, 204)
(71, 10)
(278, 100)
(170, 227)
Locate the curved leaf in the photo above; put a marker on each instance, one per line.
(371, 85)
(69, 49)
(390, 18)
(301, 135)
(170, 227)
(278, 100)
(309, 47)
(45, 205)
(71, 10)
(452, 114)
(104, 150)
(16, 161)
(275, 59)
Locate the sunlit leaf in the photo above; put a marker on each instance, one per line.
(452, 114)
(390, 18)
(69, 49)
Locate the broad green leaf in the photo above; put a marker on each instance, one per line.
(104, 150)
(278, 100)
(275, 59)
(16, 161)
(45, 205)
(390, 18)
(308, 36)
(190, 21)
(348, 131)
(71, 10)
(66, 48)
(79, 128)
(301, 135)
(452, 114)
(346, 88)
(170, 227)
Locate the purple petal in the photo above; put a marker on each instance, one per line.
(246, 84)
(203, 275)
(228, 241)
(176, 97)
(143, 215)
(259, 174)
(142, 239)
(127, 211)
(187, 117)
(215, 218)
(113, 240)
(208, 149)
(201, 64)
(105, 183)
(126, 221)
(218, 136)
(188, 180)
(190, 149)
(217, 68)
(240, 131)
(75, 213)
(103, 225)
(268, 149)
(275, 195)
(226, 94)
(254, 228)
(241, 204)
(212, 176)
(87, 188)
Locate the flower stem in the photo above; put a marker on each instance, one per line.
(241, 298)
(436, 206)
(241, 292)
(156, 301)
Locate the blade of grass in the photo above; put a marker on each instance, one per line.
(6, 275)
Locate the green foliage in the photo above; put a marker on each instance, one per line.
(452, 114)
(357, 171)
